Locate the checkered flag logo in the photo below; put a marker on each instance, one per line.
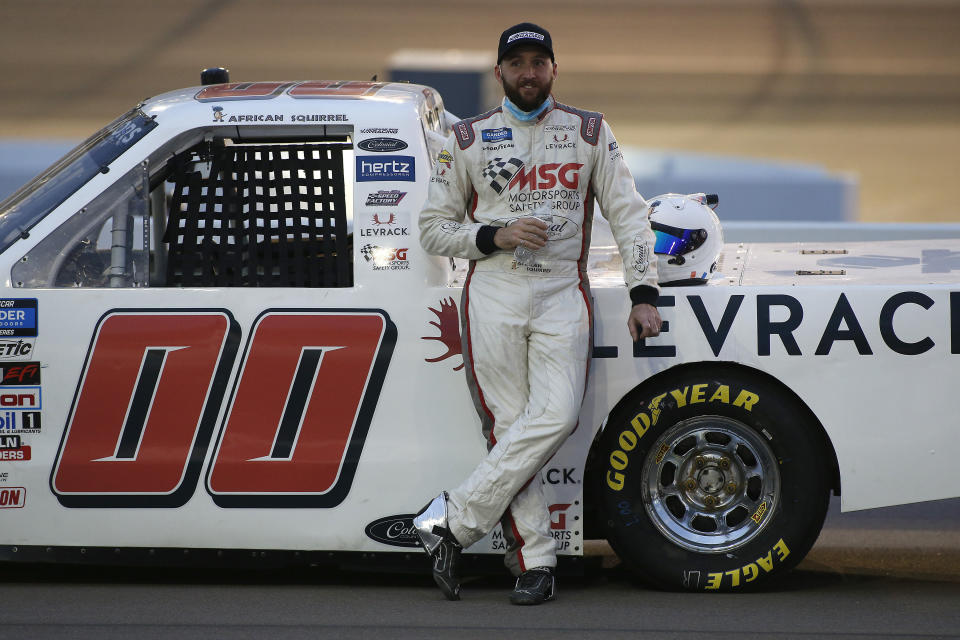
(501, 171)
(367, 252)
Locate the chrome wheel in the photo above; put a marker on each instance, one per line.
(710, 484)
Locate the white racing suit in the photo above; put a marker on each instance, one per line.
(526, 327)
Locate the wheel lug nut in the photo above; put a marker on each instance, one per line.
(700, 461)
(724, 463)
(689, 484)
(731, 487)
(710, 501)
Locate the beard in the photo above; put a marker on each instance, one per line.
(513, 93)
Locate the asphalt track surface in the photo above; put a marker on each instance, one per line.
(887, 573)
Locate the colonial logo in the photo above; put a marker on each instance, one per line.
(560, 228)
(448, 322)
(641, 255)
(496, 135)
(397, 531)
(385, 198)
(382, 145)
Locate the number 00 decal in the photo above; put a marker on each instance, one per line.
(154, 383)
(303, 402)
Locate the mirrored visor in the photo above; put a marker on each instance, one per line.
(673, 241)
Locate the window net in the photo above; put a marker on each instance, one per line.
(266, 215)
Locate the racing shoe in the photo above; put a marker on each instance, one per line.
(441, 545)
(534, 586)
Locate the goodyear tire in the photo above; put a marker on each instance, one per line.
(714, 479)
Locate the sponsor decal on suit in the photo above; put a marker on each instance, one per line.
(496, 135)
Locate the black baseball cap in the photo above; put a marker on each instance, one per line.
(524, 33)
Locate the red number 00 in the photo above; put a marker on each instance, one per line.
(154, 382)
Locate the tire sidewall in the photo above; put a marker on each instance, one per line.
(791, 526)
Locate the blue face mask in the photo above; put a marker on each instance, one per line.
(526, 116)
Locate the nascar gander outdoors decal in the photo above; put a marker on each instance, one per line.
(18, 317)
(496, 135)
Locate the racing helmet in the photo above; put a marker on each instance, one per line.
(689, 238)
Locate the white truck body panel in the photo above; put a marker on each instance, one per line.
(873, 354)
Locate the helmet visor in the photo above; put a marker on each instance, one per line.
(674, 241)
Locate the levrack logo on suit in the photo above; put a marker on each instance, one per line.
(386, 168)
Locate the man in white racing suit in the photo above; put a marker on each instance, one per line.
(526, 320)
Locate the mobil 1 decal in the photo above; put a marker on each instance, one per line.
(20, 405)
(154, 382)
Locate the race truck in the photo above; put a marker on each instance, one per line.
(220, 338)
